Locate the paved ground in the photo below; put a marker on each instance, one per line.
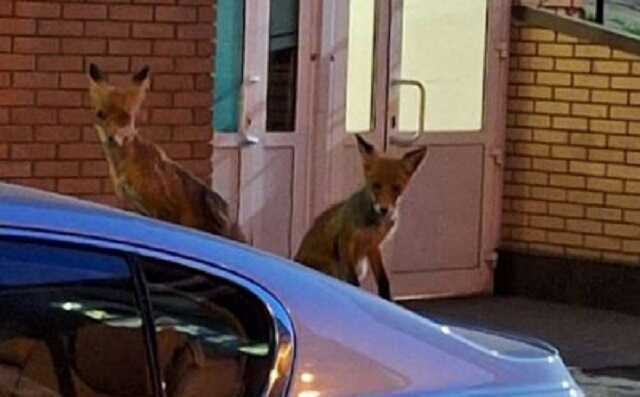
(606, 386)
(602, 347)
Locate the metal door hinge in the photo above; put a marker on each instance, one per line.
(498, 156)
(492, 260)
(503, 50)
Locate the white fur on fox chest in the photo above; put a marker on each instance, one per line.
(362, 267)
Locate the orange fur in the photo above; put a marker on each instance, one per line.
(352, 230)
(143, 176)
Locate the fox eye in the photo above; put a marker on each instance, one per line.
(397, 189)
(376, 186)
(101, 115)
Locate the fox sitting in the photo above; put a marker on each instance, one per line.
(352, 230)
(142, 174)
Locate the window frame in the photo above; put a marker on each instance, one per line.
(282, 326)
(395, 55)
(139, 261)
(253, 96)
(388, 24)
(137, 292)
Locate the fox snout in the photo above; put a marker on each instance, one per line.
(383, 210)
(385, 207)
(380, 209)
(385, 194)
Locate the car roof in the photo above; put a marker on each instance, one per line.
(31, 209)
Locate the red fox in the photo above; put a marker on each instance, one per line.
(143, 176)
(352, 230)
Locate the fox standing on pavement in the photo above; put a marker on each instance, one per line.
(142, 174)
(350, 231)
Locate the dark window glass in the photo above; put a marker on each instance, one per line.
(70, 324)
(213, 337)
(283, 65)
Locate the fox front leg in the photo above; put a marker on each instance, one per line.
(375, 261)
(347, 262)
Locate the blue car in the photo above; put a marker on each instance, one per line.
(100, 302)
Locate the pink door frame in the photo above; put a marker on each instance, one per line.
(335, 165)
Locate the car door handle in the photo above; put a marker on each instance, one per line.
(398, 139)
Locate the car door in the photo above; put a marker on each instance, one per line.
(86, 317)
(71, 324)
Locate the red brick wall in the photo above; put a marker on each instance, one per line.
(46, 138)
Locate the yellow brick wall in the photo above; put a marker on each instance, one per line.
(572, 184)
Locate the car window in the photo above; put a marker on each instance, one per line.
(70, 324)
(214, 338)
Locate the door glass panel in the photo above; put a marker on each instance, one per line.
(283, 65)
(443, 47)
(228, 64)
(70, 324)
(360, 66)
(214, 338)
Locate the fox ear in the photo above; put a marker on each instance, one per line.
(412, 159)
(142, 76)
(366, 149)
(95, 74)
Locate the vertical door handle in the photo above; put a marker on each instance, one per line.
(245, 124)
(405, 141)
